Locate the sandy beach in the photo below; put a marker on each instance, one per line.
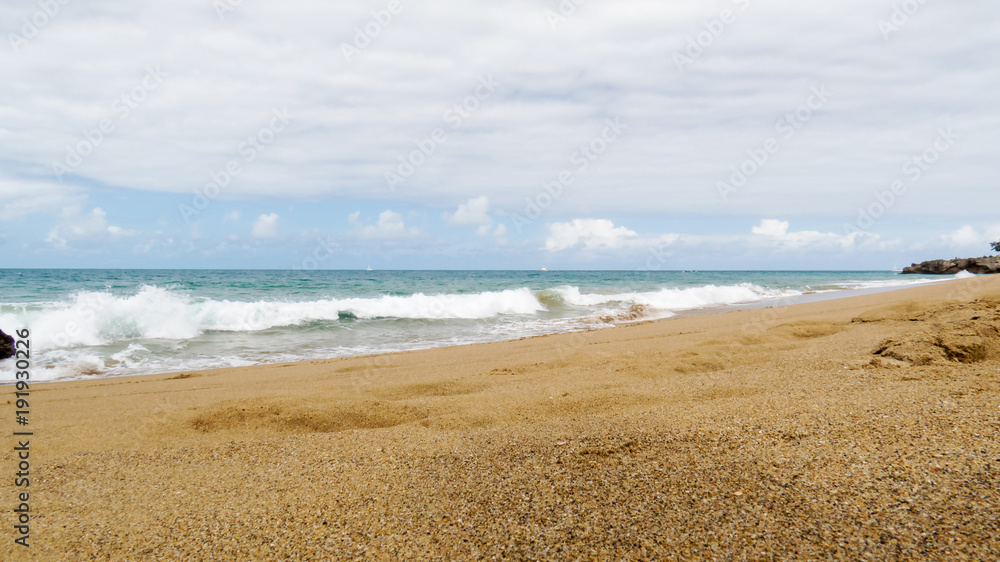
(858, 428)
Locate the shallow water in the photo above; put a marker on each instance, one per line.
(97, 323)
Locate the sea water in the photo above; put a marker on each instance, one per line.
(100, 323)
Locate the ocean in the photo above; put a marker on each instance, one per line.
(103, 323)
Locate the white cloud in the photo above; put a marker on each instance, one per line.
(687, 128)
(500, 234)
(771, 227)
(993, 234)
(389, 226)
(965, 236)
(19, 198)
(266, 227)
(592, 233)
(970, 238)
(76, 226)
(772, 231)
(556, 88)
(474, 212)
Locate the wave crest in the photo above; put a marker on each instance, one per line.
(100, 318)
(678, 299)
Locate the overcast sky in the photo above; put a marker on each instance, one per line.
(736, 134)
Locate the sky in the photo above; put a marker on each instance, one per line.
(513, 134)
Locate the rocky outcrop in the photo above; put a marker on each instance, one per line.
(6, 346)
(988, 264)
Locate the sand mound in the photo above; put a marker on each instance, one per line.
(907, 311)
(428, 390)
(960, 334)
(709, 362)
(289, 417)
(807, 330)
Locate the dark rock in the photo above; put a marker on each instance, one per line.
(6, 346)
(983, 265)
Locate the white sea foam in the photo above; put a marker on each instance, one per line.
(888, 283)
(135, 355)
(101, 318)
(153, 329)
(678, 299)
(73, 366)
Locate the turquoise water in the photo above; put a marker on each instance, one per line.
(97, 323)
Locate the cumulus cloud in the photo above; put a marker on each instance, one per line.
(77, 226)
(500, 234)
(970, 237)
(234, 216)
(771, 227)
(390, 226)
(777, 232)
(475, 212)
(266, 227)
(590, 233)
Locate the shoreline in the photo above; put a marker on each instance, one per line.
(804, 298)
(745, 434)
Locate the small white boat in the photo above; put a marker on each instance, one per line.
(545, 269)
(369, 268)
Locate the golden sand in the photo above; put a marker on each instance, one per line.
(859, 428)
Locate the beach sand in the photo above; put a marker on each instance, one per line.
(773, 433)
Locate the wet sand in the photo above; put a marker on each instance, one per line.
(865, 427)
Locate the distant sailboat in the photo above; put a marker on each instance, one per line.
(369, 268)
(545, 269)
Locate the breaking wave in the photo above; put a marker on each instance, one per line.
(94, 333)
(677, 299)
(100, 318)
